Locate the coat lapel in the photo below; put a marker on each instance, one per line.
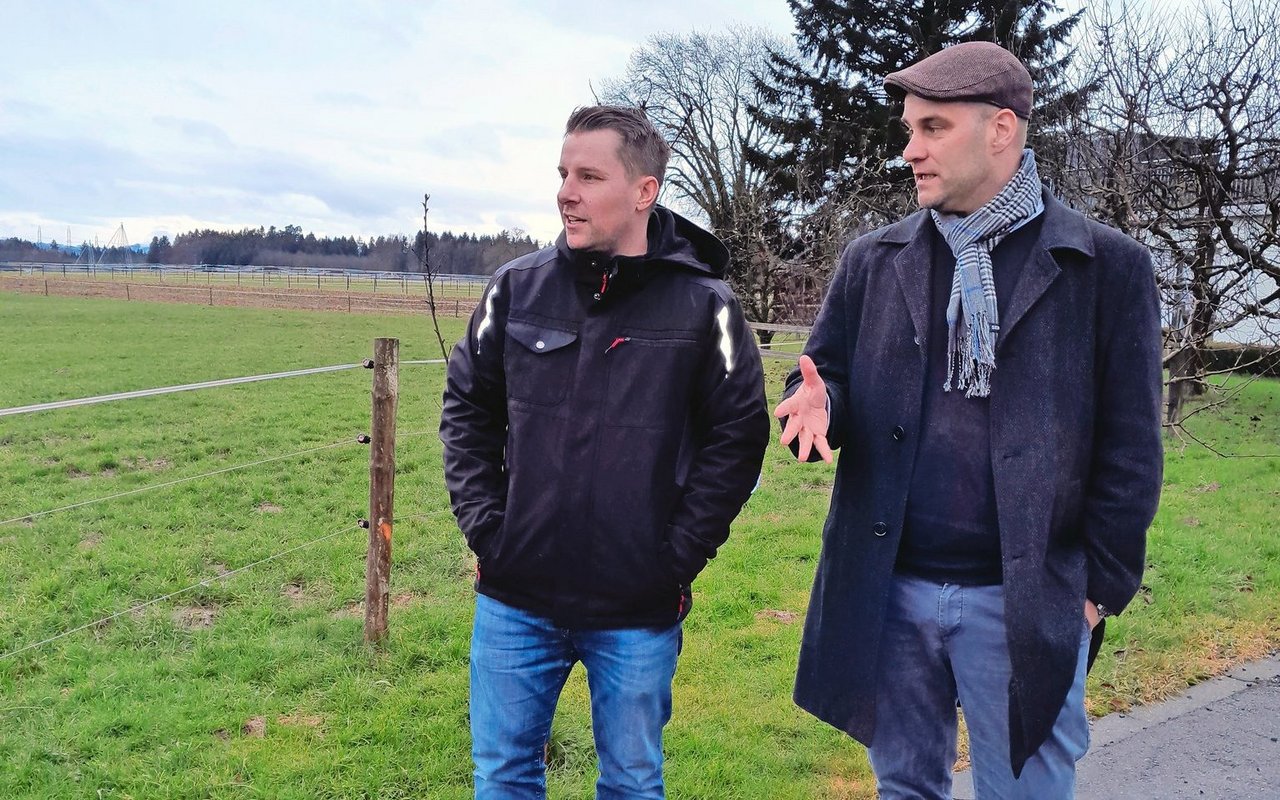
(1034, 280)
(913, 265)
(1062, 229)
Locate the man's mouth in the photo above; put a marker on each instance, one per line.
(570, 219)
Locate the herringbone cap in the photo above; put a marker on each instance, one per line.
(978, 72)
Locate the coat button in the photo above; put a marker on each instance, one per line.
(539, 344)
(879, 529)
(899, 433)
(596, 296)
(916, 339)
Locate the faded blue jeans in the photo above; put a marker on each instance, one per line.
(944, 643)
(519, 664)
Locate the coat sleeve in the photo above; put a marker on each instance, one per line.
(829, 346)
(473, 422)
(730, 431)
(1123, 488)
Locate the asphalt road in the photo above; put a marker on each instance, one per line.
(1218, 741)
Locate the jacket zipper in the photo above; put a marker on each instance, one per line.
(616, 342)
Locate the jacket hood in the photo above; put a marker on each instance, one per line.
(673, 240)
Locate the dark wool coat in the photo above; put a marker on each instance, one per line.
(1075, 453)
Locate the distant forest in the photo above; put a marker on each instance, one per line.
(449, 253)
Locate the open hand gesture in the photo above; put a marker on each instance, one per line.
(806, 413)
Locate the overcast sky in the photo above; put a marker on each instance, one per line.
(334, 116)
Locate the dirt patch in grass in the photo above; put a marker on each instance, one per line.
(90, 542)
(844, 787)
(269, 508)
(142, 462)
(75, 473)
(778, 615)
(350, 611)
(254, 727)
(1207, 488)
(295, 592)
(195, 617)
(356, 609)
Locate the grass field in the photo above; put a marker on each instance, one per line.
(257, 685)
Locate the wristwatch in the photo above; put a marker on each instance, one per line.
(1103, 611)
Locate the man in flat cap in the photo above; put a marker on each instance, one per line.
(990, 369)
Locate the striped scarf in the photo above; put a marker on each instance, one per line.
(971, 335)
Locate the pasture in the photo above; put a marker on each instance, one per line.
(255, 683)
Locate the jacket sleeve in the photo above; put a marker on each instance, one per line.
(829, 346)
(473, 422)
(730, 431)
(1123, 488)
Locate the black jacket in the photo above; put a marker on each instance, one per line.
(604, 421)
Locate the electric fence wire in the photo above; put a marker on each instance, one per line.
(179, 592)
(224, 470)
(208, 581)
(166, 484)
(187, 387)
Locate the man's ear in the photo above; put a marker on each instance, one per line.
(1004, 131)
(648, 194)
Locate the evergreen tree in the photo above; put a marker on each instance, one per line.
(841, 135)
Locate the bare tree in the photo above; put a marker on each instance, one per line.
(1180, 147)
(697, 89)
(425, 267)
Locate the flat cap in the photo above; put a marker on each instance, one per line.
(977, 72)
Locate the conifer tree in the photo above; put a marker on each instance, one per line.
(840, 133)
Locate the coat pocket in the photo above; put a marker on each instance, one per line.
(651, 379)
(540, 362)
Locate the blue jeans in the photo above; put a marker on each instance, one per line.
(944, 643)
(519, 664)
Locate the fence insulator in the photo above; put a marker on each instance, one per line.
(363, 523)
(363, 438)
(367, 363)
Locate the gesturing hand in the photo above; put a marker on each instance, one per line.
(806, 413)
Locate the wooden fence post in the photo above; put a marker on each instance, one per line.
(382, 479)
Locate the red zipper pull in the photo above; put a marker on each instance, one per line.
(617, 342)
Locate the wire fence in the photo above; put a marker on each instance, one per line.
(31, 516)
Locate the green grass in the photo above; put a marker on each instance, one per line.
(158, 704)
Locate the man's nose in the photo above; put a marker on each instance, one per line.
(568, 192)
(914, 151)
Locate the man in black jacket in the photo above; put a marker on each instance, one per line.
(604, 421)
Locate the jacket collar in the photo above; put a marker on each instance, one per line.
(1062, 228)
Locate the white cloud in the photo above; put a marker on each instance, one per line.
(333, 116)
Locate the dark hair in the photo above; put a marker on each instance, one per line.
(643, 150)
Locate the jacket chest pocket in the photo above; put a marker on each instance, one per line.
(539, 362)
(651, 380)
